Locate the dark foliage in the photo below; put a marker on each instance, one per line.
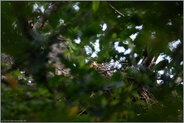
(52, 69)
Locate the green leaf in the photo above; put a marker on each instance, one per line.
(18, 73)
(95, 5)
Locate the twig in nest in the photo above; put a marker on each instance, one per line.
(82, 112)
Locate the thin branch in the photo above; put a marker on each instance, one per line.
(82, 112)
(116, 10)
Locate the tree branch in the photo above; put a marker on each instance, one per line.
(116, 10)
(29, 31)
(41, 21)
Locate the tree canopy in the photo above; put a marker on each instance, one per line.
(92, 61)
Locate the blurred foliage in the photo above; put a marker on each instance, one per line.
(92, 93)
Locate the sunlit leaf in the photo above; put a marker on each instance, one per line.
(73, 111)
(95, 5)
